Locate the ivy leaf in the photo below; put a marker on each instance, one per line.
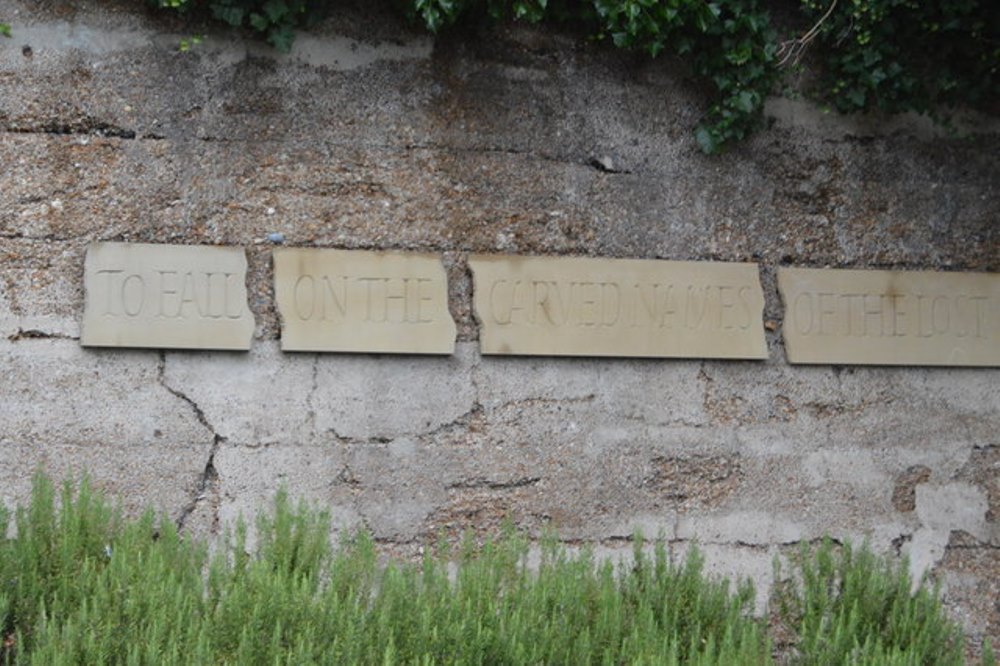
(259, 22)
(741, 55)
(745, 101)
(856, 97)
(870, 57)
(231, 15)
(275, 10)
(281, 37)
(706, 140)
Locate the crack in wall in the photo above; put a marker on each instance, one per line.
(762, 546)
(605, 164)
(206, 482)
(47, 238)
(461, 422)
(602, 164)
(356, 441)
(672, 422)
(82, 127)
(223, 139)
(480, 482)
(613, 540)
(101, 129)
(36, 334)
(209, 475)
(311, 397)
(528, 402)
(707, 381)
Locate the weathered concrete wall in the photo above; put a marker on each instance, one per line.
(371, 136)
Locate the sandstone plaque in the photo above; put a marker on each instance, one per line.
(890, 317)
(359, 301)
(165, 296)
(571, 306)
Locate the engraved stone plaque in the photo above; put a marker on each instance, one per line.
(359, 301)
(890, 317)
(166, 296)
(573, 306)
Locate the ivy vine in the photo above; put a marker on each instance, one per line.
(887, 55)
(908, 55)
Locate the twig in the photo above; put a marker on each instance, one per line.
(793, 49)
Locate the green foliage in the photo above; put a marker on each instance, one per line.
(5, 29)
(275, 20)
(890, 55)
(438, 14)
(730, 43)
(850, 606)
(80, 585)
(908, 55)
(188, 43)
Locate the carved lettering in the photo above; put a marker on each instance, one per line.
(335, 296)
(842, 316)
(746, 297)
(496, 309)
(166, 291)
(176, 294)
(425, 301)
(696, 305)
(604, 307)
(133, 293)
(877, 315)
(171, 296)
(540, 299)
(107, 290)
(547, 303)
(386, 300)
(341, 300)
(304, 297)
(611, 298)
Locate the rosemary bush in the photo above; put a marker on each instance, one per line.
(81, 585)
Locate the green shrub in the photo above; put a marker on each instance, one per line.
(849, 606)
(80, 585)
(83, 586)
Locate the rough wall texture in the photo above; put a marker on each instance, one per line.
(371, 136)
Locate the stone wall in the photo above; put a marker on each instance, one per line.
(370, 135)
